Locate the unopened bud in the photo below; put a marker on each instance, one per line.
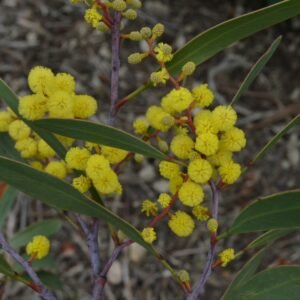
(130, 14)
(158, 30)
(119, 5)
(188, 69)
(135, 36)
(212, 225)
(163, 146)
(135, 58)
(183, 276)
(134, 3)
(146, 32)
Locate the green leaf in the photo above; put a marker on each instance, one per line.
(45, 227)
(7, 147)
(276, 138)
(60, 195)
(217, 38)
(245, 274)
(268, 237)
(51, 280)
(256, 69)
(5, 268)
(100, 134)
(273, 284)
(6, 203)
(12, 100)
(278, 211)
(210, 42)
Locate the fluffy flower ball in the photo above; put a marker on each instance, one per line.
(207, 143)
(149, 235)
(230, 172)
(169, 169)
(33, 107)
(39, 247)
(84, 106)
(76, 158)
(181, 224)
(200, 170)
(203, 95)
(182, 145)
(191, 194)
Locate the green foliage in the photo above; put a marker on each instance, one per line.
(215, 39)
(276, 284)
(6, 203)
(45, 227)
(100, 134)
(61, 195)
(256, 69)
(244, 274)
(278, 211)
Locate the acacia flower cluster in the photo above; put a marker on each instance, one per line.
(204, 138)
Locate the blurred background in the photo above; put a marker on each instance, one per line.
(53, 34)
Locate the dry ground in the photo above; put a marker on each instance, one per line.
(52, 33)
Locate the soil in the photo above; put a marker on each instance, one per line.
(53, 34)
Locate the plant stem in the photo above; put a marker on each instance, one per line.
(37, 285)
(199, 287)
(101, 281)
(91, 234)
(115, 64)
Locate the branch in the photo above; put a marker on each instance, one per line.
(102, 277)
(115, 65)
(37, 285)
(199, 287)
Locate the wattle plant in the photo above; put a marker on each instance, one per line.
(52, 151)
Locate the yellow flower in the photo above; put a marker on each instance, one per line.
(226, 256)
(181, 224)
(200, 170)
(191, 194)
(212, 225)
(160, 76)
(113, 155)
(233, 140)
(159, 119)
(204, 122)
(65, 82)
(201, 212)
(92, 17)
(182, 145)
(76, 158)
(140, 125)
(207, 143)
(18, 130)
(5, 120)
(169, 169)
(27, 147)
(37, 165)
(107, 182)
(230, 172)
(41, 80)
(96, 165)
(33, 107)
(203, 95)
(39, 247)
(57, 169)
(164, 200)
(225, 117)
(163, 52)
(177, 100)
(44, 149)
(221, 157)
(60, 105)
(175, 183)
(149, 208)
(84, 106)
(81, 183)
(66, 141)
(149, 235)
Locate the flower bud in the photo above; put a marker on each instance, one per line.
(158, 30)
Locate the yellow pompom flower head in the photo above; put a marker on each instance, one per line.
(149, 235)
(226, 256)
(38, 247)
(181, 224)
(149, 208)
